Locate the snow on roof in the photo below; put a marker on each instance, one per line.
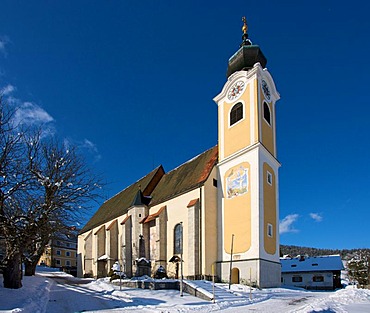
(311, 264)
(103, 257)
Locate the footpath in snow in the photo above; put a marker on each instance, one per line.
(57, 292)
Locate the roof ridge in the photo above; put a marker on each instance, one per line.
(192, 159)
(185, 177)
(156, 169)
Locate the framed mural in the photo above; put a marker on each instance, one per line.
(237, 181)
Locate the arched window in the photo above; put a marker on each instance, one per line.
(236, 113)
(266, 113)
(178, 239)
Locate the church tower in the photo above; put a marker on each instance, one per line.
(248, 234)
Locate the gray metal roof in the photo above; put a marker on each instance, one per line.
(311, 264)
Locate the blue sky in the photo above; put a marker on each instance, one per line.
(132, 84)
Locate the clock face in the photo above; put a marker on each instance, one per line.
(266, 89)
(235, 90)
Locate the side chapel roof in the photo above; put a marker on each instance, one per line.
(158, 186)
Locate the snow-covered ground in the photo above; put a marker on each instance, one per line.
(53, 291)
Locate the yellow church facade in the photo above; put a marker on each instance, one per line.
(218, 210)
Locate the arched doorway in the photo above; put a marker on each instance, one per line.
(235, 275)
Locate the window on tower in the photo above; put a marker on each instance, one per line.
(236, 113)
(266, 113)
(269, 178)
(269, 230)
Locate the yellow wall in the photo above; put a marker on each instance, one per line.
(210, 224)
(269, 200)
(237, 216)
(266, 129)
(238, 136)
(177, 212)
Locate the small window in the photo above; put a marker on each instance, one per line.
(68, 263)
(315, 264)
(297, 279)
(68, 245)
(139, 215)
(266, 113)
(318, 279)
(269, 230)
(236, 113)
(293, 265)
(269, 178)
(68, 253)
(59, 252)
(58, 262)
(214, 182)
(58, 242)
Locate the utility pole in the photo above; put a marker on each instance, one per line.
(181, 266)
(213, 282)
(231, 259)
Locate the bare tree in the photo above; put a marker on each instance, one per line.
(44, 187)
(13, 182)
(63, 187)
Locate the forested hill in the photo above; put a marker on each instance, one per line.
(296, 250)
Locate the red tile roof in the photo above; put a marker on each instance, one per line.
(152, 217)
(111, 224)
(125, 220)
(193, 202)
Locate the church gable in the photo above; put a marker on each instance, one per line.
(120, 203)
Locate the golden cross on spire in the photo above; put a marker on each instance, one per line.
(245, 26)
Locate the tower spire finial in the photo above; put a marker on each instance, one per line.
(246, 41)
(245, 26)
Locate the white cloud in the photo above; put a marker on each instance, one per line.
(13, 101)
(286, 224)
(3, 42)
(29, 113)
(2, 46)
(66, 143)
(87, 147)
(7, 90)
(316, 216)
(91, 148)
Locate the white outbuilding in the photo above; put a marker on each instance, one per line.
(320, 272)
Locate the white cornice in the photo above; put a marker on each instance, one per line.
(255, 146)
(257, 69)
(268, 78)
(234, 77)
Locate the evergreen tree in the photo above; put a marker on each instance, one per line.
(358, 267)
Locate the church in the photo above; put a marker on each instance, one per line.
(216, 214)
